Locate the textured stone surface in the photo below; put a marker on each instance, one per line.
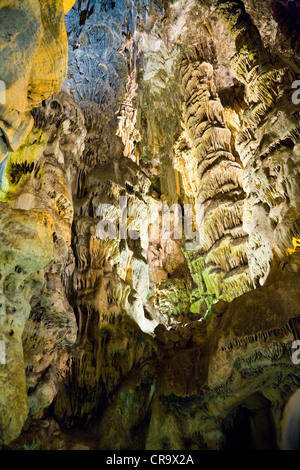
(35, 36)
(220, 266)
(26, 249)
(175, 102)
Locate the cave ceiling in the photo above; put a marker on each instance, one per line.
(149, 223)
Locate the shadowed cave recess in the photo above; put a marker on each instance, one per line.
(148, 341)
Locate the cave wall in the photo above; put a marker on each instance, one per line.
(123, 343)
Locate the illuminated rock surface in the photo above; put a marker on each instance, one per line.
(134, 343)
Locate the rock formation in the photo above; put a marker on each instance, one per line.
(221, 261)
(113, 325)
(34, 35)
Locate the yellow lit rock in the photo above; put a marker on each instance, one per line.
(34, 34)
(68, 5)
(296, 246)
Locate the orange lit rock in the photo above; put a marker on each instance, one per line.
(34, 35)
